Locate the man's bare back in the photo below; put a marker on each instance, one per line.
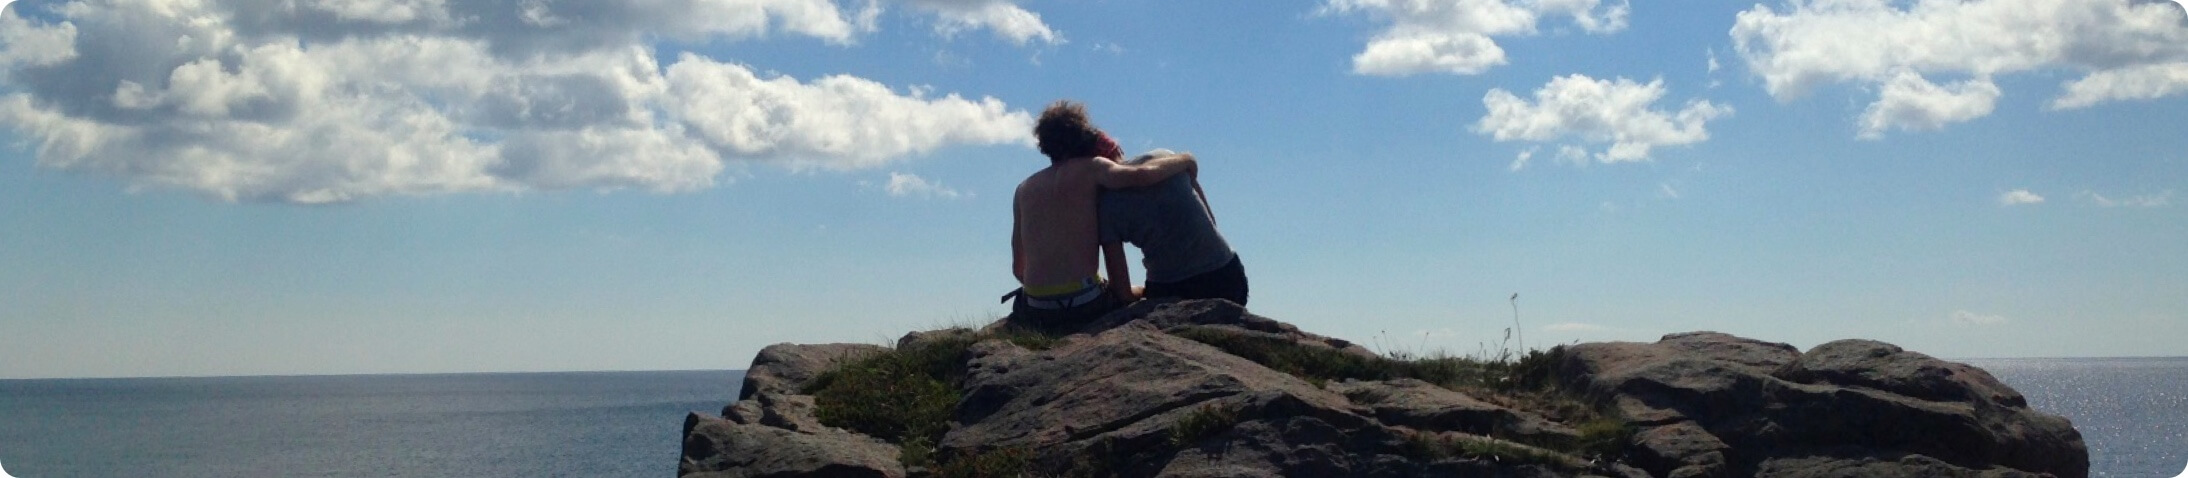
(1055, 216)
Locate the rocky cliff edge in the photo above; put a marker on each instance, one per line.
(1206, 389)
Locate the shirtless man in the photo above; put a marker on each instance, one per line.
(1054, 237)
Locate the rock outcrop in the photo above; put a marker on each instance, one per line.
(1710, 404)
(772, 430)
(1143, 393)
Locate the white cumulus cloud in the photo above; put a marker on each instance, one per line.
(2019, 197)
(329, 101)
(1004, 17)
(25, 44)
(1618, 112)
(1909, 102)
(837, 122)
(1892, 46)
(2139, 82)
(1458, 36)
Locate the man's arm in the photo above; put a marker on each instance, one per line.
(1017, 247)
(1120, 272)
(1204, 201)
(1119, 176)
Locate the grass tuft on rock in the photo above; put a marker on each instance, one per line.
(896, 396)
(906, 395)
(1603, 436)
(1206, 421)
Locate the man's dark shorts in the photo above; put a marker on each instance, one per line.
(1227, 282)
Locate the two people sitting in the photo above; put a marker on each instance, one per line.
(1074, 216)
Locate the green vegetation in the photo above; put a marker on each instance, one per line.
(897, 396)
(1603, 436)
(1210, 419)
(906, 395)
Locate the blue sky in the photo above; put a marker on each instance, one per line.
(264, 187)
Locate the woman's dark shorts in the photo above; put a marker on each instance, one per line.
(1227, 282)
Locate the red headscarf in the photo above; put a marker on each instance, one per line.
(1107, 148)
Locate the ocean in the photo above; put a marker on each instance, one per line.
(609, 424)
(2133, 413)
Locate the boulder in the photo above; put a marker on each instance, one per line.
(1711, 404)
(1680, 376)
(1422, 406)
(718, 448)
(1115, 398)
(1885, 367)
(772, 431)
(1683, 448)
(918, 338)
(786, 369)
(788, 412)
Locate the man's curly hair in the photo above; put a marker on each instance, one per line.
(1065, 132)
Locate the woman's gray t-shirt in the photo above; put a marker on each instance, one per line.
(1171, 226)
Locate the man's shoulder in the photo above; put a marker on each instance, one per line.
(1018, 194)
(1059, 182)
(1032, 181)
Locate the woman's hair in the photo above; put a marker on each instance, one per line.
(1064, 131)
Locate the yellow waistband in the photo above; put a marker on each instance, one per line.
(1065, 288)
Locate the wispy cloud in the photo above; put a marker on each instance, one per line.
(2019, 197)
(2162, 199)
(1525, 156)
(1713, 67)
(1964, 317)
(907, 185)
(1575, 327)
